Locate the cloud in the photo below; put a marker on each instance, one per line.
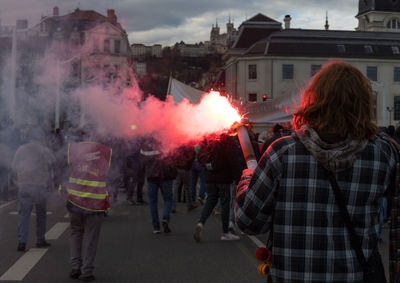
(167, 22)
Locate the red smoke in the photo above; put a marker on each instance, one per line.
(172, 124)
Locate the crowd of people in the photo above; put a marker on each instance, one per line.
(322, 188)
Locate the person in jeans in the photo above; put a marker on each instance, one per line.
(198, 174)
(290, 196)
(160, 174)
(218, 156)
(33, 164)
(184, 156)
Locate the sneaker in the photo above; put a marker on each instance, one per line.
(21, 247)
(86, 278)
(201, 200)
(229, 237)
(197, 232)
(232, 230)
(75, 273)
(43, 244)
(156, 231)
(173, 210)
(132, 202)
(217, 211)
(165, 226)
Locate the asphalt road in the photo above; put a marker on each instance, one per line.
(128, 250)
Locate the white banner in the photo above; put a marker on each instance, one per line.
(179, 91)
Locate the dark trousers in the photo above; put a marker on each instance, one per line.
(132, 184)
(215, 191)
(85, 232)
(28, 196)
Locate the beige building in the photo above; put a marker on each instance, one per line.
(141, 50)
(268, 62)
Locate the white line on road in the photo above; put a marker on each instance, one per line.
(32, 213)
(7, 204)
(24, 264)
(55, 232)
(256, 241)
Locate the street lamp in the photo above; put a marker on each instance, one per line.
(390, 109)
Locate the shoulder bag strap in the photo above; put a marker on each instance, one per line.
(354, 239)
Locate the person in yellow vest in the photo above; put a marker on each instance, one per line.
(87, 201)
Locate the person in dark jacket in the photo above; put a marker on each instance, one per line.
(134, 173)
(184, 156)
(160, 174)
(218, 155)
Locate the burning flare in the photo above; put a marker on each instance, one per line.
(219, 111)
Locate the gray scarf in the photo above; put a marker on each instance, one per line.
(333, 156)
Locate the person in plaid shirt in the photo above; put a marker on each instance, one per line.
(289, 194)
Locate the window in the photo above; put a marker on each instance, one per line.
(393, 24)
(372, 73)
(315, 69)
(396, 104)
(82, 38)
(253, 97)
(341, 48)
(117, 46)
(287, 71)
(75, 70)
(368, 49)
(395, 50)
(95, 45)
(106, 45)
(252, 72)
(396, 74)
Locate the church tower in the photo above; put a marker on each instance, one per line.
(378, 15)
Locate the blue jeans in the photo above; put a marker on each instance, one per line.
(166, 192)
(28, 195)
(215, 192)
(198, 171)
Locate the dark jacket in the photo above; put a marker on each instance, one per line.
(220, 157)
(158, 166)
(183, 157)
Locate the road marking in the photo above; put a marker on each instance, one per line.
(7, 204)
(23, 265)
(55, 232)
(32, 213)
(256, 241)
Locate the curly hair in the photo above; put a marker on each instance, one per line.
(338, 101)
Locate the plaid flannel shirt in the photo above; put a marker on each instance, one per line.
(290, 196)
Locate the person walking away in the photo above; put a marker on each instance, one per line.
(134, 174)
(218, 156)
(87, 200)
(184, 157)
(32, 165)
(160, 174)
(198, 174)
(290, 193)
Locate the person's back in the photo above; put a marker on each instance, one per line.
(290, 192)
(306, 216)
(32, 163)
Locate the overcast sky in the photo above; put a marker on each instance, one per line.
(168, 21)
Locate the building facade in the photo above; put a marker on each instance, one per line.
(86, 48)
(379, 15)
(140, 50)
(220, 43)
(268, 62)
